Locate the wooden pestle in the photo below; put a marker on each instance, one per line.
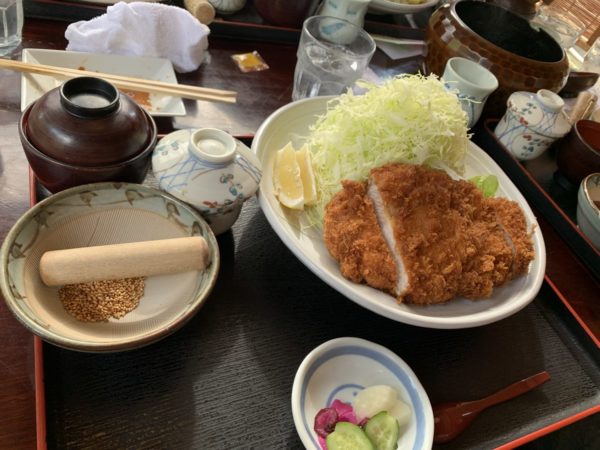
(116, 261)
(201, 10)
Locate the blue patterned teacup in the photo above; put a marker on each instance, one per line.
(473, 84)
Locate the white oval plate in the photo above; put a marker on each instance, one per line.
(339, 369)
(387, 7)
(291, 123)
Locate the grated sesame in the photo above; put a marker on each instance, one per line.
(99, 301)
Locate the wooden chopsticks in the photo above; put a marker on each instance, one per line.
(127, 83)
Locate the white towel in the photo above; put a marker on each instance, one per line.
(143, 29)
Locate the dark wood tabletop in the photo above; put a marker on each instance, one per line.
(224, 379)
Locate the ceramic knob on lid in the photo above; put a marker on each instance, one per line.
(532, 122)
(208, 169)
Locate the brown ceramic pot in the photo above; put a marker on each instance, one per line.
(284, 13)
(578, 153)
(57, 175)
(86, 122)
(521, 58)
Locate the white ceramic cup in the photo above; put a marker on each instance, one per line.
(473, 82)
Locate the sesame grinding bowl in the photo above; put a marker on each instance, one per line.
(103, 214)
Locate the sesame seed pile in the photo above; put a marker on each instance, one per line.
(98, 301)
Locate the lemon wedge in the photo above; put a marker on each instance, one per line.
(287, 179)
(303, 156)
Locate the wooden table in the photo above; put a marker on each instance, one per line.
(258, 323)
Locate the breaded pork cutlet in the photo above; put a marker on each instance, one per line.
(413, 208)
(424, 237)
(354, 239)
(490, 254)
(513, 222)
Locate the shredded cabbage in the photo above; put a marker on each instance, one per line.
(410, 118)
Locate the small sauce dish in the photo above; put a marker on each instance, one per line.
(339, 369)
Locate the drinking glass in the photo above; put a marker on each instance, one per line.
(563, 26)
(11, 24)
(591, 60)
(333, 53)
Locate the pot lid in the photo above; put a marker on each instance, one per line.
(207, 168)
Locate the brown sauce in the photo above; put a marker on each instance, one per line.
(141, 98)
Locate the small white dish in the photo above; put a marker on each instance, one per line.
(339, 369)
(208, 169)
(33, 86)
(291, 123)
(388, 7)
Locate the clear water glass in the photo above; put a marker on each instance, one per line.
(333, 53)
(563, 26)
(591, 60)
(11, 25)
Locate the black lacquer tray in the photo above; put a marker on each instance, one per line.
(224, 380)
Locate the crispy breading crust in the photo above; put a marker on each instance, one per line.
(451, 240)
(354, 239)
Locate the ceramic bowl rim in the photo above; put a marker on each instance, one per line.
(313, 356)
(590, 124)
(37, 152)
(589, 203)
(83, 346)
(503, 51)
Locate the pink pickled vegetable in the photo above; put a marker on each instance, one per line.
(326, 419)
(345, 412)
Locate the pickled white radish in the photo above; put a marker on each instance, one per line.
(402, 412)
(373, 400)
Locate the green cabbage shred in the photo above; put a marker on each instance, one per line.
(409, 119)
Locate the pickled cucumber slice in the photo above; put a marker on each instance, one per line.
(348, 436)
(383, 430)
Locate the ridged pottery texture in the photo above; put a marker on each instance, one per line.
(521, 58)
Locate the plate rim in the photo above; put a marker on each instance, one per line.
(179, 109)
(340, 284)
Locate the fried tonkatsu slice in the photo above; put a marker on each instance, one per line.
(415, 232)
(354, 239)
(513, 222)
(426, 235)
(489, 253)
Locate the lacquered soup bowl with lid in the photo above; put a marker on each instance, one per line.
(85, 131)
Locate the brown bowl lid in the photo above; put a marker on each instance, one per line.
(87, 122)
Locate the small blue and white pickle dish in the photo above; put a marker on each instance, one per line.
(208, 169)
(340, 368)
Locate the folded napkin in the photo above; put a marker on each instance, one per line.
(143, 29)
